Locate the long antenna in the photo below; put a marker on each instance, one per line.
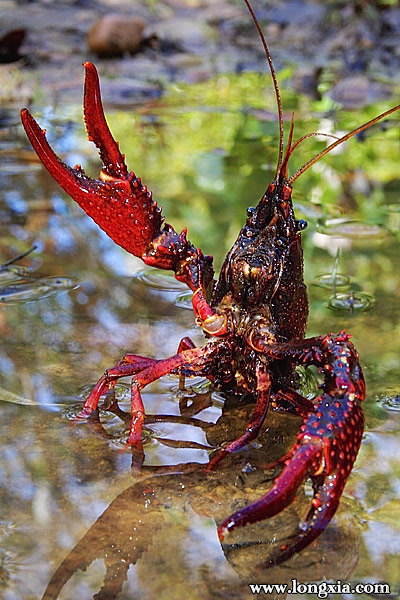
(275, 82)
(346, 137)
(284, 164)
(309, 135)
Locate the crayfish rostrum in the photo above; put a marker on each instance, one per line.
(254, 318)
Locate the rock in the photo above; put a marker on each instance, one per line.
(306, 80)
(184, 32)
(115, 35)
(357, 91)
(9, 45)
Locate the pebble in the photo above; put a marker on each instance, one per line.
(115, 35)
(357, 91)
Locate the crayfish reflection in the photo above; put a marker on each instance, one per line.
(161, 531)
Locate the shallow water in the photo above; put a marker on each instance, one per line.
(207, 152)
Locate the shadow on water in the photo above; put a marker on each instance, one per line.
(71, 514)
(165, 526)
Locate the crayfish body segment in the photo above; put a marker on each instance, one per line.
(254, 316)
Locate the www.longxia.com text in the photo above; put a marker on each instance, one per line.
(322, 589)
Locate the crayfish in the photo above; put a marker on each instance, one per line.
(254, 317)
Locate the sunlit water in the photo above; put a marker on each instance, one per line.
(78, 303)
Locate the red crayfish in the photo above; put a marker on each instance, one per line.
(254, 318)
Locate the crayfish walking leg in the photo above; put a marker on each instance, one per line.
(129, 365)
(256, 420)
(326, 446)
(152, 373)
(189, 360)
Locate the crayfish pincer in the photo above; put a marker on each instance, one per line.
(254, 317)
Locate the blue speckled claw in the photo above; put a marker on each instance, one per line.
(326, 447)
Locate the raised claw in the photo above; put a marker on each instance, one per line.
(97, 128)
(326, 446)
(118, 201)
(124, 208)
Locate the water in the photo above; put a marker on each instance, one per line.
(69, 489)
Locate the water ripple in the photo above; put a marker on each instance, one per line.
(332, 280)
(352, 229)
(161, 280)
(13, 273)
(184, 300)
(30, 291)
(351, 301)
(391, 403)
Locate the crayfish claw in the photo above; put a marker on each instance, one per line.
(71, 180)
(323, 506)
(119, 203)
(124, 208)
(97, 129)
(278, 497)
(327, 493)
(325, 451)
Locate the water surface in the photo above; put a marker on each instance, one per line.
(207, 152)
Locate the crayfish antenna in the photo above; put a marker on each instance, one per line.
(290, 147)
(283, 171)
(339, 141)
(276, 86)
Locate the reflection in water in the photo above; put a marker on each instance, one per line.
(184, 300)
(35, 289)
(334, 279)
(168, 520)
(161, 280)
(345, 228)
(329, 280)
(17, 284)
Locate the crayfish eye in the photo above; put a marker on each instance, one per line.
(301, 224)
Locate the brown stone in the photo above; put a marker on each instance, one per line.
(115, 35)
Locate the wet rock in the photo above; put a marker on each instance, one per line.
(129, 90)
(391, 20)
(115, 35)
(183, 60)
(297, 12)
(357, 91)
(306, 80)
(10, 44)
(185, 33)
(219, 12)
(15, 85)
